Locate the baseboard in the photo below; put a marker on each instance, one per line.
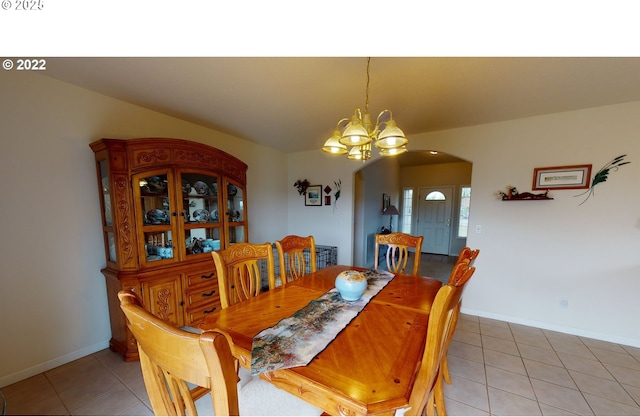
(549, 326)
(53, 363)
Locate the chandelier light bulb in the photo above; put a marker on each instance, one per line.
(355, 134)
(393, 151)
(333, 145)
(391, 136)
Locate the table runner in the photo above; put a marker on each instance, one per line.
(296, 340)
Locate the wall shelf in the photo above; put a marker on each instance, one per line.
(527, 199)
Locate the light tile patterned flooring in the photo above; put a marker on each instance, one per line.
(497, 368)
(500, 368)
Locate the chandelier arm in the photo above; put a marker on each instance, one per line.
(380, 115)
(344, 119)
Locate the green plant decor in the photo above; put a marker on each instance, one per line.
(602, 175)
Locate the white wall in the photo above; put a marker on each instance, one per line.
(52, 294)
(380, 177)
(535, 252)
(330, 225)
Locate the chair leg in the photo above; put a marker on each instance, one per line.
(438, 393)
(445, 369)
(430, 409)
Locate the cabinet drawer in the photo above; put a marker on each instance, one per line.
(205, 295)
(195, 316)
(202, 278)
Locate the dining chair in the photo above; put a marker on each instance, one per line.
(459, 277)
(238, 269)
(397, 254)
(422, 397)
(467, 253)
(172, 358)
(291, 257)
(190, 374)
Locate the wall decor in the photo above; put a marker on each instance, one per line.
(513, 194)
(302, 186)
(386, 201)
(313, 196)
(603, 174)
(336, 195)
(327, 200)
(566, 177)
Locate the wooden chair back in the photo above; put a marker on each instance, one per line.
(459, 277)
(171, 358)
(238, 271)
(461, 273)
(291, 257)
(421, 399)
(397, 255)
(467, 253)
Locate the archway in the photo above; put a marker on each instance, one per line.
(401, 178)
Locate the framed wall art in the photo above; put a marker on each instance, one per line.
(313, 197)
(569, 177)
(386, 201)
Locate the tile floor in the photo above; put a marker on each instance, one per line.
(497, 368)
(98, 384)
(500, 368)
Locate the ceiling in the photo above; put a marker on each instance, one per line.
(293, 104)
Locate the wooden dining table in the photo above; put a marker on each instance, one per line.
(370, 366)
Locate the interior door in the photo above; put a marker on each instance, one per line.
(434, 218)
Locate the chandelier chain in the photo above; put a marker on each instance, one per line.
(366, 103)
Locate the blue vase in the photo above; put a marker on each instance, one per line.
(351, 285)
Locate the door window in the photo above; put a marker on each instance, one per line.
(463, 220)
(407, 207)
(435, 196)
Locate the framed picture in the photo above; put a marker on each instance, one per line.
(327, 200)
(313, 197)
(562, 178)
(386, 201)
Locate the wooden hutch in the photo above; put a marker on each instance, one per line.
(166, 204)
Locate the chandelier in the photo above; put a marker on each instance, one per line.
(359, 133)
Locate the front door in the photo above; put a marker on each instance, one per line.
(434, 219)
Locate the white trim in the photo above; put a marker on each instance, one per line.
(548, 326)
(50, 364)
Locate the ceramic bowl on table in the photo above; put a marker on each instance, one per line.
(351, 284)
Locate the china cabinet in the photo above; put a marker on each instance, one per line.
(166, 204)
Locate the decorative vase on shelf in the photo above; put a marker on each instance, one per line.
(351, 284)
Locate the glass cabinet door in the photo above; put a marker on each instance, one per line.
(107, 225)
(201, 213)
(235, 213)
(157, 216)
